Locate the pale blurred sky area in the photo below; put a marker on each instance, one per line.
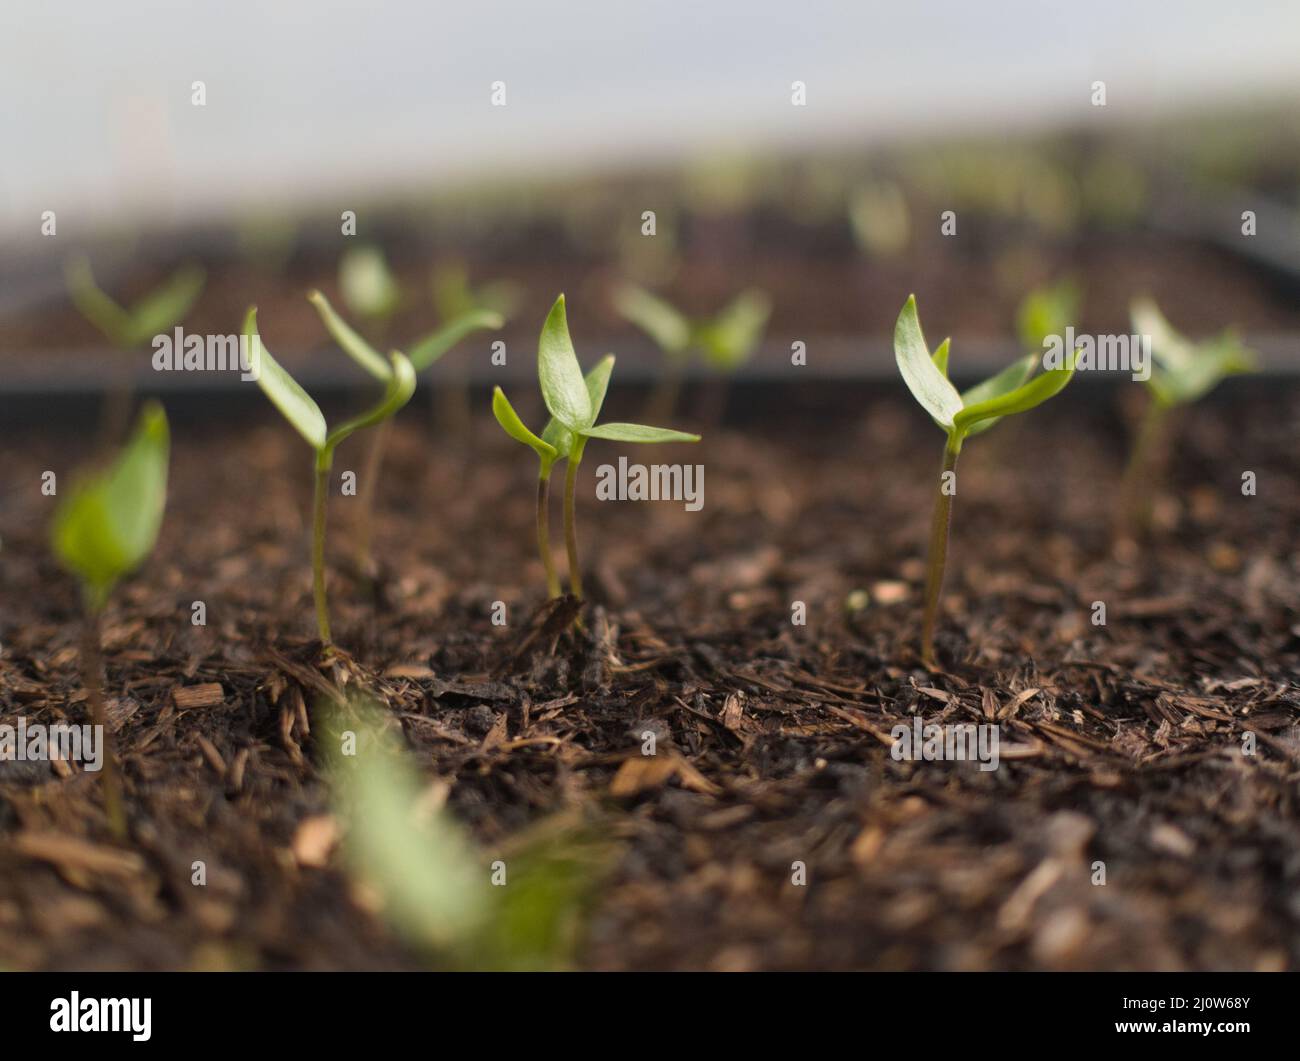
(308, 100)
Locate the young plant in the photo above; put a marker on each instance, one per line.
(297, 406)
(423, 354)
(960, 415)
(1182, 372)
(725, 341)
(574, 402)
(1047, 311)
(103, 530)
(129, 329)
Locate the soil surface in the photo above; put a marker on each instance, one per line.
(1120, 744)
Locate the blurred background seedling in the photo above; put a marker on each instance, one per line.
(960, 415)
(129, 328)
(105, 528)
(1182, 372)
(296, 405)
(725, 342)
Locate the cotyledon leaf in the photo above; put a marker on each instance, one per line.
(563, 388)
(353, 345)
(929, 386)
(282, 389)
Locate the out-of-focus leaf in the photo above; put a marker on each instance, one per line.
(731, 338)
(368, 286)
(664, 324)
(108, 524)
(1047, 311)
(166, 307)
(432, 347)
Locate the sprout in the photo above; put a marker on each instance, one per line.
(127, 329)
(423, 354)
(574, 402)
(960, 415)
(725, 341)
(296, 405)
(1182, 372)
(103, 530)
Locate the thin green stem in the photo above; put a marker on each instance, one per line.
(369, 490)
(92, 667)
(939, 527)
(1142, 470)
(544, 531)
(324, 460)
(570, 528)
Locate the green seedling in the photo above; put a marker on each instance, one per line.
(103, 530)
(296, 405)
(130, 328)
(1182, 372)
(423, 354)
(457, 906)
(960, 415)
(725, 341)
(574, 402)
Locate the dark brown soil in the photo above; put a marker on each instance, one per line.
(1121, 744)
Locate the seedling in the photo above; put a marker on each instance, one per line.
(725, 341)
(423, 354)
(574, 402)
(297, 406)
(1182, 372)
(1046, 311)
(129, 329)
(960, 415)
(103, 530)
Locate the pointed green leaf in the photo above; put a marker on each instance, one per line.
(731, 338)
(432, 347)
(563, 387)
(166, 307)
(597, 381)
(108, 524)
(940, 357)
(928, 384)
(1171, 349)
(294, 403)
(667, 327)
(637, 433)
(105, 314)
(400, 387)
(1025, 397)
(514, 427)
(353, 345)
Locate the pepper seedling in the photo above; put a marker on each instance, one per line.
(103, 530)
(960, 415)
(297, 406)
(1182, 372)
(130, 328)
(370, 291)
(574, 402)
(725, 341)
(423, 354)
